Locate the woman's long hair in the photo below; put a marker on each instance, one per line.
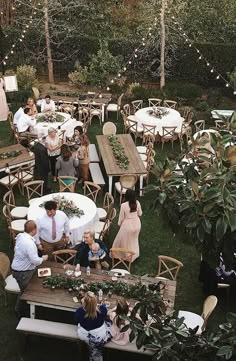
(122, 308)
(130, 196)
(90, 305)
(65, 152)
(84, 140)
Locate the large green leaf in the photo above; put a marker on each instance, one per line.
(231, 215)
(225, 351)
(221, 227)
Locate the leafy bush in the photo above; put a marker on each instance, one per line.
(79, 76)
(214, 97)
(140, 92)
(26, 77)
(176, 90)
(103, 66)
(202, 106)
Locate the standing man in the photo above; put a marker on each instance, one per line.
(42, 165)
(82, 257)
(53, 229)
(48, 105)
(25, 260)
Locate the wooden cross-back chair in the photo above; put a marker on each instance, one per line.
(132, 127)
(137, 104)
(9, 283)
(108, 203)
(11, 179)
(91, 190)
(168, 135)
(61, 135)
(170, 104)
(67, 183)
(199, 125)
(127, 181)
(122, 256)
(65, 256)
(26, 174)
(149, 133)
(34, 190)
(15, 226)
(168, 266)
(102, 228)
(154, 102)
(96, 110)
(16, 212)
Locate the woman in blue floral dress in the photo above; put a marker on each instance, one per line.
(92, 326)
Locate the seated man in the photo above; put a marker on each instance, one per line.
(48, 105)
(18, 114)
(82, 257)
(26, 123)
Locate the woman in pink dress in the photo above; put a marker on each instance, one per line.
(3, 102)
(129, 223)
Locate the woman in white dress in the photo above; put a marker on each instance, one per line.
(3, 102)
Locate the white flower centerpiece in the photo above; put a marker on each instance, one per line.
(67, 206)
(50, 117)
(158, 112)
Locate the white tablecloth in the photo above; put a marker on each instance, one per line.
(172, 119)
(217, 113)
(41, 129)
(208, 131)
(77, 225)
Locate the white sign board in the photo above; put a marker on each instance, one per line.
(10, 83)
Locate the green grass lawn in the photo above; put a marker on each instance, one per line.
(156, 238)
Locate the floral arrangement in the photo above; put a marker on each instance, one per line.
(118, 152)
(51, 117)
(158, 112)
(67, 206)
(12, 154)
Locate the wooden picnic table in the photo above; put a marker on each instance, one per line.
(24, 158)
(37, 295)
(135, 166)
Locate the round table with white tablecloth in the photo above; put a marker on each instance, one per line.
(78, 225)
(171, 119)
(41, 128)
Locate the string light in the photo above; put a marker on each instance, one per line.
(24, 31)
(208, 64)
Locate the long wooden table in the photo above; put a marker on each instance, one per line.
(135, 166)
(24, 158)
(37, 295)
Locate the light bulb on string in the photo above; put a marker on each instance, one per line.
(112, 81)
(108, 88)
(198, 51)
(4, 63)
(20, 39)
(124, 68)
(136, 50)
(190, 45)
(227, 85)
(218, 77)
(212, 70)
(200, 57)
(12, 51)
(130, 62)
(13, 45)
(143, 44)
(6, 57)
(208, 64)
(135, 55)
(119, 75)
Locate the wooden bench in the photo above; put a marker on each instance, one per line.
(96, 174)
(31, 326)
(93, 154)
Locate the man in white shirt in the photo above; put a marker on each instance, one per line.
(48, 105)
(53, 229)
(18, 114)
(26, 123)
(25, 259)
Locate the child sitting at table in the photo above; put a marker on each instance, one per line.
(122, 309)
(96, 254)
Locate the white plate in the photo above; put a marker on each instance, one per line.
(44, 272)
(114, 278)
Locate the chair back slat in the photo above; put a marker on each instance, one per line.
(168, 266)
(91, 190)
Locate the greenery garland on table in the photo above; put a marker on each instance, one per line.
(51, 117)
(67, 206)
(118, 151)
(137, 291)
(12, 154)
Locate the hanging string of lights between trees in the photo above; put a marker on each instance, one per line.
(24, 31)
(201, 57)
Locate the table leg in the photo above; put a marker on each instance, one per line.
(141, 185)
(103, 112)
(110, 184)
(32, 311)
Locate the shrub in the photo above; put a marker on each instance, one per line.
(202, 106)
(176, 90)
(79, 76)
(140, 92)
(103, 66)
(26, 77)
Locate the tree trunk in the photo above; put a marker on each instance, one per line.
(48, 44)
(163, 45)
